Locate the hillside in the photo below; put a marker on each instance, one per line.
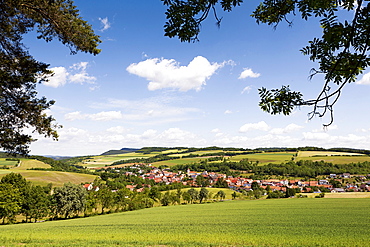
(42, 177)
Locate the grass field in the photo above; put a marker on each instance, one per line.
(30, 163)
(265, 158)
(54, 177)
(178, 161)
(8, 163)
(281, 222)
(102, 160)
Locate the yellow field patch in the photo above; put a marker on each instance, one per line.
(55, 177)
(30, 163)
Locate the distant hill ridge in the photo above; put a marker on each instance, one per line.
(121, 151)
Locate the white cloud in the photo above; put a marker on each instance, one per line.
(149, 134)
(288, 129)
(104, 23)
(106, 116)
(216, 130)
(58, 79)
(247, 89)
(167, 73)
(254, 126)
(117, 130)
(100, 116)
(365, 80)
(77, 115)
(330, 127)
(75, 74)
(228, 112)
(81, 76)
(247, 72)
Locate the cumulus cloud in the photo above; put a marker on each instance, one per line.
(247, 72)
(167, 73)
(216, 130)
(228, 112)
(104, 23)
(80, 75)
(288, 129)
(254, 126)
(74, 74)
(58, 79)
(365, 80)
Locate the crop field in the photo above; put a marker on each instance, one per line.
(333, 157)
(54, 177)
(30, 163)
(102, 160)
(265, 158)
(281, 222)
(178, 161)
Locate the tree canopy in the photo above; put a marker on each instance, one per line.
(20, 108)
(342, 53)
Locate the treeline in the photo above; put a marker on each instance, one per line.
(18, 197)
(224, 167)
(275, 149)
(307, 168)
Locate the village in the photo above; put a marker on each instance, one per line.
(334, 183)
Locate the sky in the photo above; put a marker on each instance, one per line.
(145, 89)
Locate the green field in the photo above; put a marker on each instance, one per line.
(281, 222)
(102, 160)
(265, 158)
(332, 157)
(178, 161)
(8, 163)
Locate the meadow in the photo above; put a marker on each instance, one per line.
(281, 222)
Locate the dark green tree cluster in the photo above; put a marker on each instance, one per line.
(312, 169)
(19, 197)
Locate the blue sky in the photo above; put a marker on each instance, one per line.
(145, 89)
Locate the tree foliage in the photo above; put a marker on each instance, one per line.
(342, 53)
(69, 200)
(20, 108)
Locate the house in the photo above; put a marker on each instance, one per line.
(88, 186)
(323, 182)
(338, 190)
(346, 175)
(313, 183)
